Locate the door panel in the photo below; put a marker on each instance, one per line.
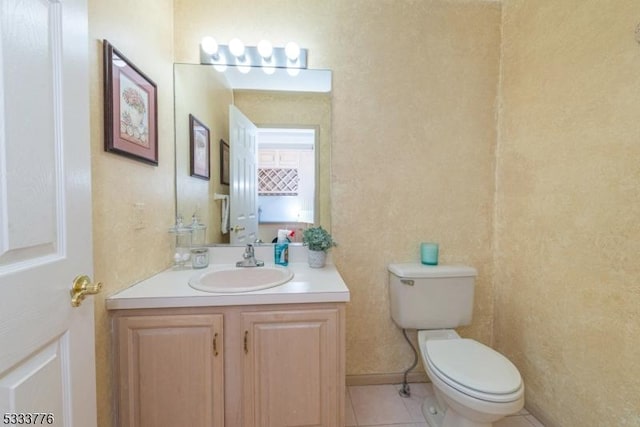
(31, 201)
(27, 385)
(244, 179)
(47, 362)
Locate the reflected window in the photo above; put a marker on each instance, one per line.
(286, 175)
(278, 181)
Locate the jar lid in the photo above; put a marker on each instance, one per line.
(179, 227)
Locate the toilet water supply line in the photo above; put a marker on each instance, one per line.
(405, 390)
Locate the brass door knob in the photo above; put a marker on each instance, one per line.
(82, 287)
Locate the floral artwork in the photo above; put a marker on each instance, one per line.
(130, 110)
(200, 157)
(224, 162)
(134, 102)
(199, 147)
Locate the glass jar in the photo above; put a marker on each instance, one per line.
(181, 243)
(198, 232)
(200, 257)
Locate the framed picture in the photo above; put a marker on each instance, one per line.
(130, 108)
(224, 162)
(199, 149)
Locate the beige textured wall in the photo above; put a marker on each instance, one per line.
(295, 109)
(143, 32)
(568, 209)
(203, 92)
(412, 156)
(413, 139)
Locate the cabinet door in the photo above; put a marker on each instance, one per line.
(292, 374)
(171, 371)
(267, 158)
(288, 158)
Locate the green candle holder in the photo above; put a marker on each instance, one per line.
(429, 253)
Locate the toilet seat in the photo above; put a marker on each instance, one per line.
(473, 369)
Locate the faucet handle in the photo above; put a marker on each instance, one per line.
(249, 259)
(248, 251)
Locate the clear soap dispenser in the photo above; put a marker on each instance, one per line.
(198, 232)
(199, 253)
(181, 243)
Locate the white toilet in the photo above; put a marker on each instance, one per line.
(474, 385)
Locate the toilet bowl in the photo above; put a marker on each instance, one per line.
(474, 385)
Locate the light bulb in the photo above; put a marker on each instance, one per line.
(265, 49)
(268, 70)
(292, 50)
(236, 47)
(209, 45)
(221, 62)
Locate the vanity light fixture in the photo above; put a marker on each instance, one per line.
(265, 50)
(293, 71)
(236, 47)
(265, 55)
(268, 70)
(210, 46)
(292, 50)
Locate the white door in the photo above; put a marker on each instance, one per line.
(47, 363)
(243, 212)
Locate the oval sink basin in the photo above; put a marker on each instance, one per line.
(240, 279)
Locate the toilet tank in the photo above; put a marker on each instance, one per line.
(431, 297)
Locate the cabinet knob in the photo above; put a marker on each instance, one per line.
(246, 342)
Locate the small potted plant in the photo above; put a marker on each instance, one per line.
(319, 242)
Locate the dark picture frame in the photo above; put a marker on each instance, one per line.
(224, 162)
(130, 108)
(199, 149)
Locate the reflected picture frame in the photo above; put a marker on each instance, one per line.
(199, 149)
(224, 162)
(130, 108)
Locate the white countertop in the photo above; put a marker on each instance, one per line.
(171, 288)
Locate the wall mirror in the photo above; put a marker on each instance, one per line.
(294, 124)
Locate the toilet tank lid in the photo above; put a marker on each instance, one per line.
(416, 271)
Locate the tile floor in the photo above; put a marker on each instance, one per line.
(382, 406)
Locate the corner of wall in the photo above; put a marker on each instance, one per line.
(496, 176)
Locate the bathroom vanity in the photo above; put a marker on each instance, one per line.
(271, 357)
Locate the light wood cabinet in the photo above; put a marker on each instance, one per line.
(272, 158)
(290, 368)
(278, 365)
(171, 370)
(267, 158)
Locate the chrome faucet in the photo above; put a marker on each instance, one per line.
(249, 258)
